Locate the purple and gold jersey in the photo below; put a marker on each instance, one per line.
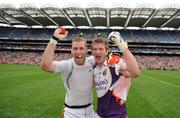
(107, 107)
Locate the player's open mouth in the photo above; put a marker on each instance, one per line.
(98, 57)
(79, 58)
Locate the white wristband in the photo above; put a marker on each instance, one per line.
(53, 41)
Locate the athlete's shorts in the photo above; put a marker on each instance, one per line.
(87, 112)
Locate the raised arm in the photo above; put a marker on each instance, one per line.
(48, 55)
(131, 64)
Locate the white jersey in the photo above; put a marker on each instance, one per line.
(79, 85)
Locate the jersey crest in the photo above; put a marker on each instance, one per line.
(103, 80)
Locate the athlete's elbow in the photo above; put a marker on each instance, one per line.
(46, 67)
(136, 73)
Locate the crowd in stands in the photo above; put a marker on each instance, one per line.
(159, 62)
(8, 57)
(9, 41)
(145, 62)
(31, 58)
(128, 35)
(66, 47)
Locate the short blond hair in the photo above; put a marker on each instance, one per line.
(78, 39)
(101, 40)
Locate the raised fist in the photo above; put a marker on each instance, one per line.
(115, 37)
(59, 34)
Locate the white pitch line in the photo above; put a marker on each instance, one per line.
(152, 78)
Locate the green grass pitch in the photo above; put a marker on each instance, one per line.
(28, 92)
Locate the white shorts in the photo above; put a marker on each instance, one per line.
(87, 112)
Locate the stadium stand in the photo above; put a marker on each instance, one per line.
(154, 49)
(25, 46)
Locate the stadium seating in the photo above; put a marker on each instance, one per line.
(147, 45)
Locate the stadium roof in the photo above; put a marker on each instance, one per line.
(97, 16)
